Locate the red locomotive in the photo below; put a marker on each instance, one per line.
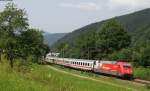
(116, 68)
(120, 69)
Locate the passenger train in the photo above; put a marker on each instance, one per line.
(115, 68)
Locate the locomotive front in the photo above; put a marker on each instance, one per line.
(126, 70)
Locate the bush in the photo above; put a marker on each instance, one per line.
(142, 73)
(148, 86)
(124, 54)
(22, 65)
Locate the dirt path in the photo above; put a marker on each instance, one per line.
(83, 77)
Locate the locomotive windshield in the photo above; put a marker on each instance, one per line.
(126, 66)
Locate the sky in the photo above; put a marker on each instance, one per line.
(62, 16)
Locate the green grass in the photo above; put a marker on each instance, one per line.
(110, 79)
(42, 78)
(143, 73)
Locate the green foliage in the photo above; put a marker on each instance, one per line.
(17, 41)
(52, 38)
(31, 43)
(12, 20)
(142, 73)
(86, 43)
(141, 56)
(131, 22)
(148, 86)
(97, 45)
(136, 24)
(124, 54)
(112, 37)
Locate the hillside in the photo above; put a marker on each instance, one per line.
(136, 23)
(51, 38)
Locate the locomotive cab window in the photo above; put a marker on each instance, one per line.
(126, 67)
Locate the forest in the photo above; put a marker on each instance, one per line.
(110, 42)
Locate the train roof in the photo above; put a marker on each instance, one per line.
(81, 60)
(86, 60)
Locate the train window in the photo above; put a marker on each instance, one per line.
(88, 64)
(83, 64)
(126, 67)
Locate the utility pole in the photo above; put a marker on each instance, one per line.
(88, 53)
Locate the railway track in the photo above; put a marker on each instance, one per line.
(141, 81)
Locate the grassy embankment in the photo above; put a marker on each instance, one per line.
(112, 80)
(42, 78)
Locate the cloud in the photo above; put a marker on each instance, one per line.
(131, 4)
(107, 4)
(82, 5)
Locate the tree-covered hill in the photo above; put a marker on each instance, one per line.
(51, 38)
(137, 23)
(124, 37)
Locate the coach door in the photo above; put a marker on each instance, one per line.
(96, 66)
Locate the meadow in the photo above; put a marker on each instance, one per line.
(43, 78)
